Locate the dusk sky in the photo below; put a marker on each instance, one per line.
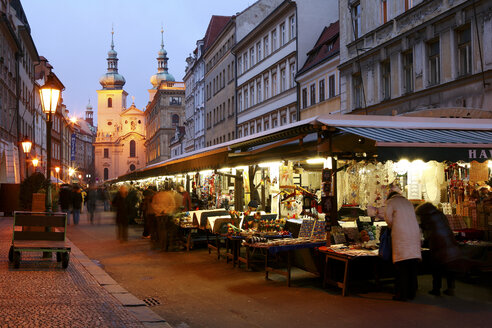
(75, 37)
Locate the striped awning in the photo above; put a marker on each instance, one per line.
(438, 137)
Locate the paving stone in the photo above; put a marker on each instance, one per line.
(156, 325)
(104, 279)
(144, 314)
(115, 289)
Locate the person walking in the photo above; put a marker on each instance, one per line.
(120, 203)
(65, 200)
(444, 249)
(76, 204)
(400, 216)
(186, 198)
(147, 212)
(105, 198)
(90, 202)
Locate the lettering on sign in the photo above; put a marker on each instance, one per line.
(479, 153)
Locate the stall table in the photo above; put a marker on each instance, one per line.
(270, 250)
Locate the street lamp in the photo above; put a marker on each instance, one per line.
(57, 170)
(26, 147)
(50, 94)
(35, 163)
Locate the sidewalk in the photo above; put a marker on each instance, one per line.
(41, 294)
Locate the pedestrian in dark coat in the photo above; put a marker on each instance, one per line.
(444, 249)
(90, 201)
(76, 204)
(120, 203)
(65, 200)
(186, 198)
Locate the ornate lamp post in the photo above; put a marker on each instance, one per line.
(50, 94)
(26, 147)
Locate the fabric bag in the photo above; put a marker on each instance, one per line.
(385, 251)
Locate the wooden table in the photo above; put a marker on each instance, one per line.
(346, 258)
(276, 250)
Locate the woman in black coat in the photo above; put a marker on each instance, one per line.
(443, 247)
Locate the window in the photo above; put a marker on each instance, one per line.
(283, 120)
(282, 34)
(434, 65)
(246, 131)
(246, 98)
(293, 117)
(266, 124)
(321, 90)
(464, 51)
(252, 95)
(274, 40)
(175, 120)
(386, 79)
(240, 102)
(252, 57)
(282, 80)
(356, 24)
(274, 122)
(292, 75)
(266, 45)
(266, 83)
(258, 127)
(106, 173)
(408, 72)
(304, 97)
(258, 91)
(106, 153)
(292, 21)
(252, 129)
(240, 65)
(274, 84)
(357, 89)
(176, 100)
(132, 167)
(408, 4)
(258, 51)
(331, 79)
(132, 148)
(110, 102)
(245, 62)
(312, 93)
(384, 11)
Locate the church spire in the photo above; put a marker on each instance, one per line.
(112, 80)
(162, 72)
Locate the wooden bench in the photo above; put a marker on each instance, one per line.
(39, 232)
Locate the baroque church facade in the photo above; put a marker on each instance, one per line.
(120, 143)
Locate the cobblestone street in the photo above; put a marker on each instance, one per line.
(42, 294)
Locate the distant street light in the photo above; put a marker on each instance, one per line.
(50, 94)
(26, 147)
(35, 163)
(57, 170)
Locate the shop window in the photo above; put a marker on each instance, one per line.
(464, 51)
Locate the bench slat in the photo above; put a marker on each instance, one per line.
(39, 235)
(40, 221)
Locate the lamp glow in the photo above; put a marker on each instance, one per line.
(35, 162)
(26, 145)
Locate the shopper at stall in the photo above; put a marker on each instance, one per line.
(90, 202)
(147, 213)
(186, 198)
(400, 216)
(164, 205)
(120, 203)
(76, 204)
(444, 249)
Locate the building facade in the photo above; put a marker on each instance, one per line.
(267, 62)
(429, 58)
(220, 76)
(318, 78)
(119, 146)
(165, 112)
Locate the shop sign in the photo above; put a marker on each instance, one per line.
(72, 147)
(479, 154)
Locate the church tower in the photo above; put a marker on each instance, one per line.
(89, 114)
(119, 146)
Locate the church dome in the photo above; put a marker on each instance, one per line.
(156, 79)
(112, 80)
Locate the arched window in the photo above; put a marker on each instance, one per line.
(132, 167)
(175, 120)
(106, 173)
(132, 148)
(110, 102)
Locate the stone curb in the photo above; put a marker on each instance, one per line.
(137, 307)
